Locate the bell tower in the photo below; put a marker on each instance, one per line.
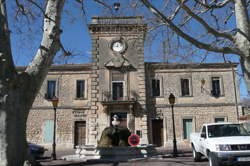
(118, 76)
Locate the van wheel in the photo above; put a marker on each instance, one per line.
(196, 155)
(212, 160)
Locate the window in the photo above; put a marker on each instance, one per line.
(80, 89)
(185, 87)
(117, 90)
(155, 87)
(217, 120)
(216, 90)
(118, 85)
(51, 89)
(203, 132)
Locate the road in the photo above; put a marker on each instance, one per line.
(179, 161)
(186, 160)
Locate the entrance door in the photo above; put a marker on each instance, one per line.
(187, 128)
(122, 118)
(157, 131)
(80, 133)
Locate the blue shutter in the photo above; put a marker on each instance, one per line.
(48, 131)
(187, 128)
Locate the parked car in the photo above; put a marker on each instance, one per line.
(222, 143)
(37, 151)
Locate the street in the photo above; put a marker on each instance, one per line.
(179, 161)
(184, 160)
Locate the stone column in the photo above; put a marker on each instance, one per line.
(92, 114)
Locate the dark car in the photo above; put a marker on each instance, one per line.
(37, 151)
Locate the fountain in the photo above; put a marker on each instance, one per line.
(112, 146)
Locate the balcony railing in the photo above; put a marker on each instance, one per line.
(107, 96)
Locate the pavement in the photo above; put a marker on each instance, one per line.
(162, 152)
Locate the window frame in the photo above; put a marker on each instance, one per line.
(47, 89)
(160, 78)
(221, 117)
(152, 87)
(189, 86)
(220, 78)
(123, 89)
(84, 90)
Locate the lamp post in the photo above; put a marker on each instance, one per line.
(54, 101)
(171, 99)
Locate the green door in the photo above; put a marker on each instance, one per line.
(48, 130)
(187, 128)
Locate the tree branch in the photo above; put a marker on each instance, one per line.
(205, 25)
(213, 6)
(185, 36)
(105, 5)
(49, 46)
(7, 68)
(175, 13)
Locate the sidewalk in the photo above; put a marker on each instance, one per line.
(161, 152)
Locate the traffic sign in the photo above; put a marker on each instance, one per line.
(133, 139)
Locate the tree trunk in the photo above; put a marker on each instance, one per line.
(13, 117)
(243, 38)
(245, 65)
(18, 91)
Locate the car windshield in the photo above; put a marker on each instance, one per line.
(227, 130)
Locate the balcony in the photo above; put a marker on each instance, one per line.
(110, 99)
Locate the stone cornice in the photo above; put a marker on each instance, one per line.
(162, 65)
(196, 105)
(117, 28)
(60, 107)
(65, 67)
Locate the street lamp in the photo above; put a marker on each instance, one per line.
(54, 101)
(171, 100)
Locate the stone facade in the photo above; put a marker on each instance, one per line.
(118, 81)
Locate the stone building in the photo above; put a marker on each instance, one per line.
(118, 81)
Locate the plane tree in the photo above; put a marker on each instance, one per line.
(216, 26)
(19, 89)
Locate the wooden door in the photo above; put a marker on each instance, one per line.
(157, 131)
(80, 133)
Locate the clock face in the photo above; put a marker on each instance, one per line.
(118, 46)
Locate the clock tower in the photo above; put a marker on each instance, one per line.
(118, 76)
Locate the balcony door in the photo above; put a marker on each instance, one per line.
(117, 90)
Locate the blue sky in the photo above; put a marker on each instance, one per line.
(76, 37)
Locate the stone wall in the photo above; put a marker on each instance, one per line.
(69, 108)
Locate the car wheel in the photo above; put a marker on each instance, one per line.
(196, 155)
(212, 160)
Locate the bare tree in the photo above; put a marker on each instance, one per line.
(219, 26)
(18, 89)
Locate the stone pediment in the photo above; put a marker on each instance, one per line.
(117, 63)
